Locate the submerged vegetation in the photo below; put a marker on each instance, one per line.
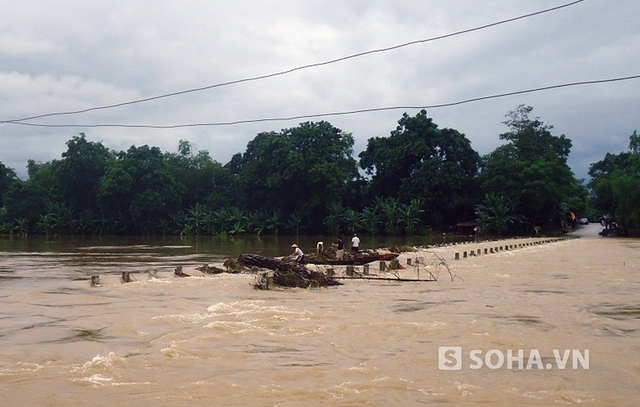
(306, 180)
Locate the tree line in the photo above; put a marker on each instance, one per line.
(615, 182)
(306, 180)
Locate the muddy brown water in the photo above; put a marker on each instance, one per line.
(571, 307)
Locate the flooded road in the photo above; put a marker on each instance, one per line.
(214, 340)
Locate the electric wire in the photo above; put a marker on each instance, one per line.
(291, 70)
(341, 113)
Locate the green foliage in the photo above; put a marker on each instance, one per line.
(352, 220)
(305, 180)
(626, 190)
(530, 171)
(7, 178)
(305, 169)
(496, 214)
(274, 221)
(615, 180)
(420, 161)
(196, 219)
(334, 218)
(238, 221)
(25, 201)
(80, 171)
(140, 189)
(389, 210)
(370, 220)
(634, 144)
(409, 216)
(532, 139)
(204, 180)
(20, 226)
(294, 222)
(46, 223)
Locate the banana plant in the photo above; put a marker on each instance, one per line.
(370, 220)
(409, 216)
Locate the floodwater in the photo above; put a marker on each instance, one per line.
(546, 324)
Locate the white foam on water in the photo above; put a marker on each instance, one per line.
(21, 367)
(96, 379)
(240, 308)
(182, 318)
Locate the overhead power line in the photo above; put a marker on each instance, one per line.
(299, 68)
(333, 114)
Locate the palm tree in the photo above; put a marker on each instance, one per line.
(46, 223)
(164, 225)
(177, 221)
(388, 209)
(62, 217)
(369, 220)
(483, 219)
(221, 220)
(497, 213)
(238, 221)
(410, 216)
(274, 222)
(195, 217)
(334, 217)
(294, 221)
(21, 226)
(352, 220)
(208, 223)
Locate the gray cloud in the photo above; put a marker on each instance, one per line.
(66, 55)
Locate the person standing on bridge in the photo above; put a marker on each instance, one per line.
(355, 243)
(339, 244)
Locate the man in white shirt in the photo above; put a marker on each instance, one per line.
(297, 254)
(355, 243)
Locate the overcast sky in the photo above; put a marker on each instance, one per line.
(58, 56)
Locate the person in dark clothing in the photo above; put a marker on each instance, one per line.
(339, 249)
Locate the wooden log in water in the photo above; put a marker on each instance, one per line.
(207, 269)
(179, 273)
(288, 274)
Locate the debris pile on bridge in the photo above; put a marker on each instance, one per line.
(285, 273)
